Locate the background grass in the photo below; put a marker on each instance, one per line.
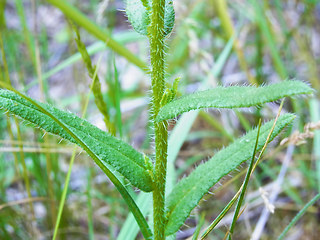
(273, 40)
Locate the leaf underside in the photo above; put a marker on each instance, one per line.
(232, 97)
(112, 152)
(186, 195)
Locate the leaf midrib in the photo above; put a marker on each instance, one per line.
(35, 108)
(165, 111)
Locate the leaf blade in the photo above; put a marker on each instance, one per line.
(129, 162)
(232, 97)
(189, 191)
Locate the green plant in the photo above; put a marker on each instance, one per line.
(155, 19)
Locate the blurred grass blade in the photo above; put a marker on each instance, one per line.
(44, 116)
(217, 125)
(117, 98)
(228, 30)
(2, 14)
(64, 195)
(89, 204)
(221, 60)
(80, 19)
(264, 26)
(315, 117)
(67, 180)
(298, 216)
(7, 80)
(189, 191)
(26, 32)
(96, 85)
(232, 97)
(96, 47)
(176, 140)
(220, 216)
(130, 229)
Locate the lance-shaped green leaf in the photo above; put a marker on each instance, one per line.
(138, 12)
(188, 192)
(111, 151)
(232, 97)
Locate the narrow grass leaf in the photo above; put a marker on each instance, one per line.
(298, 216)
(265, 28)
(130, 229)
(176, 140)
(244, 185)
(67, 180)
(220, 216)
(117, 98)
(314, 107)
(121, 156)
(232, 97)
(122, 38)
(198, 228)
(96, 85)
(189, 191)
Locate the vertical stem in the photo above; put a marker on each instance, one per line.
(156, 38)
(161, 136)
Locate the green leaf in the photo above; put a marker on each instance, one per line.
(118, 154)
(232, 97)
(188, 192)
(138, 12)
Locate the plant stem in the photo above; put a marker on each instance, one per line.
(156, 38)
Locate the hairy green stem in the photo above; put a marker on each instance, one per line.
(156, 37)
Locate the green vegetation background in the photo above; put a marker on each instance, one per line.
(273, 41)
